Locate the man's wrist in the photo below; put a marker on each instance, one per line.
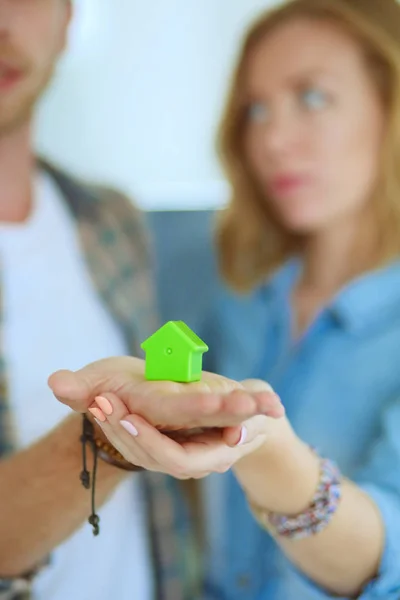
(281, 476)
(98, 432)
(106, 451)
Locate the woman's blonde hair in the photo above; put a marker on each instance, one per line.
(251, 243)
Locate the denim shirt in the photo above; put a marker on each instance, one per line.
(340, 384)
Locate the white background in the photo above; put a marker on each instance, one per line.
(139, 93)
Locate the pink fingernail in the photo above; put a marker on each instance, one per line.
(105, 405)
(98, 414)
(243, 436)
(131, 429)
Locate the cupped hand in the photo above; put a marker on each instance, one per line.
(213, 402)
(180, 455)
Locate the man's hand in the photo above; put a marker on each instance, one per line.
(215, 401)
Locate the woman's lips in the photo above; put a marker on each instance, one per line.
(286, 184)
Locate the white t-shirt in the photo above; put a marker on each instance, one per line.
(53, 318)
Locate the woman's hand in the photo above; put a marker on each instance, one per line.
(215, 401)
(179, 454)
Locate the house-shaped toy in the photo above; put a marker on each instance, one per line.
(174, 353)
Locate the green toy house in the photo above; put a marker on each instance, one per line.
(174, 353)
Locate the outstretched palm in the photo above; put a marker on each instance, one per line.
(215, 401)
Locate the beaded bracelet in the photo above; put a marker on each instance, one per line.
(316, 517)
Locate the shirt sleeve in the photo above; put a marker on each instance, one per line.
(379, 477)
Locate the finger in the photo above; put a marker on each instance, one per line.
(113, 411)
(181, 435)
(167, 455)
(187, 410)
(256, 385)
(233, 436)
(187, 460)
(268, 402)
(125, 444)
(201, 410)
(245, 434)
(202, 436)
(208, 410)
(247, 403)
(110, 406)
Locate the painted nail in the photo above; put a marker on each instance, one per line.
(98, 414)
(131, 429)
(243, 436)
(105, 405)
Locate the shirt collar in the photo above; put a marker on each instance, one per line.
(368, 299)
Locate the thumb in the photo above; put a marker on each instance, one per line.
(246, 433)
(72, 389)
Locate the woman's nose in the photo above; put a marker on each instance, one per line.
(280, 134)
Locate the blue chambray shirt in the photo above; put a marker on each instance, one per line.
(340, 384)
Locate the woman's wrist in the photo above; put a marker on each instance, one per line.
(282, 475)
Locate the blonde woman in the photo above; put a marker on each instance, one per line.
(310, 247)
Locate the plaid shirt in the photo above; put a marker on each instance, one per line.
(114, 245)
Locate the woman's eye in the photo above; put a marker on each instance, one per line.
(257, 112)
(314, 99)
